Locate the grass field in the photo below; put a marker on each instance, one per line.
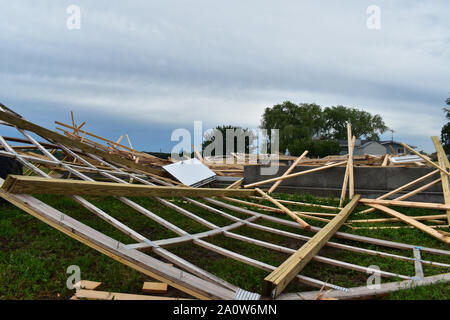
(34, 257)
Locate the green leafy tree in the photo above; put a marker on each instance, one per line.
(293, 121)
(309, 127)
(363, 123)
(445, 132)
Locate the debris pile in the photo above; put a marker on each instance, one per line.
(112, 169)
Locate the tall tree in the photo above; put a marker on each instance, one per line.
(363, 123)
(293, 121)
(308, 126)
(445, 132)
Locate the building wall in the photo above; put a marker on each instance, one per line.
(371, 182)
(373, 148)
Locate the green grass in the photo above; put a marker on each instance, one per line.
(34, 257)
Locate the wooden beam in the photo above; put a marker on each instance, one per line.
(385, 160)
(351, 183)
(430, 217)
(418, 190)
(285, 210)
(129, 141)
(412, 222)
(198, 154)
(443, 162)
(73, 123)
(442, 169)
(294, 174)
(411, 204)
(37, 185)
(118, 141)
(345, 182)
(277, 281)
(276, 184)
(154, 287)
(88, 285)
(236, 184)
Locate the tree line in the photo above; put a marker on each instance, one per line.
(309, 126)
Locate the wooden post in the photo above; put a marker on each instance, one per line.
(351, 186)
(344, 184)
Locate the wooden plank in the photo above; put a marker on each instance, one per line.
(351, 183)
(129, 142)
(154, 287)
(412, 204)
(385, 160)
(236, 184)
(105, 295)
(431, 217)
(286, 210)
(276, 184)
(278, 280)
(412, 222)
(294, 174)
(38, 185)
(88, 285)
(441, 168)
(418, 190)
(199, 156)
(443, 162)
(365, 292)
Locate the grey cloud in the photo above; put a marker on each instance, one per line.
(173, 62)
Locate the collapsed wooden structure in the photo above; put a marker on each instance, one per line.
(126, 177)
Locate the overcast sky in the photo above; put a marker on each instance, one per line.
(148, 67)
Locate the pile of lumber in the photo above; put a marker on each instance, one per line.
(76, 132)
(86, 289)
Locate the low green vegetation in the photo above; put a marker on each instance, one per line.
(34, 257)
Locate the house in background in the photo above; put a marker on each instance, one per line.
(376, 148)
(394, 147)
